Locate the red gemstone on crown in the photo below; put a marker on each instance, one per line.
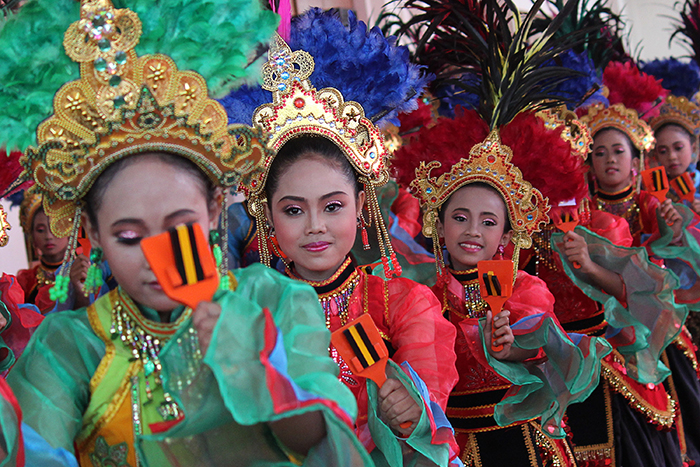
(299, 103)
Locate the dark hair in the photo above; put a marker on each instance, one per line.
(303, 147)
(93, 199)
(441, 212)
(691, 137)
(633, 149)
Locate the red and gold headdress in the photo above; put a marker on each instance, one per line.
(679, 111)
(488, 162)
(619, 117)
(125, 104)
(298, 109)
(479, 146)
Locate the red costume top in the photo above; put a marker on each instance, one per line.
(36, 283)
(637, 208)
(409, 319)
(472, 407)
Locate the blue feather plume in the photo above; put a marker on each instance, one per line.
(681, 79)
(453, 95)
(362, 64)
(574, 88)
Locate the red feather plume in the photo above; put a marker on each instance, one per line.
(545, 159)
(633, 88)
(446, 142)
(10, 169)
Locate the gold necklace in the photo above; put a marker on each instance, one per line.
(145, 346)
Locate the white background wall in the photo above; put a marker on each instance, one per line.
(13, 256)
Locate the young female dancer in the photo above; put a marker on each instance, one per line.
(49, 250)
(136, 378)
(309, 206)
(475, 206)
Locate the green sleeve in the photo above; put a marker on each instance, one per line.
(641, 328)
(267, 360)
(52, 378)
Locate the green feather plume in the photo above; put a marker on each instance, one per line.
(217, 38)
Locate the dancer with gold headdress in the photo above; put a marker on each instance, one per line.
(476, 202)
(134, 148)
(312, 226)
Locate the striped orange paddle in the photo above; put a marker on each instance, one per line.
(361, 346)
(183, 264)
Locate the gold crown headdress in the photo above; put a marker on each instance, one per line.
(575, 132)
(297, 108)
(488, 162)
(679, 111)
(125, 104)
(623, 119)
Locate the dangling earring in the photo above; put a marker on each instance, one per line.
(361, 224)
(501, 250)
(276, 246)
(94, 280)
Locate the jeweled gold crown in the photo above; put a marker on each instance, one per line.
(575, 132)
(298, 108)
(621, 118)
(680, 111)
(125, 104)
(488, 162)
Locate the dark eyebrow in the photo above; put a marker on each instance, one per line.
(332, 194)
(298, 199)
(139, 222)
(483, 213)
(301, 199)
(178, 213)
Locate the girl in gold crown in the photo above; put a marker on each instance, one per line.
(37, 280)
(676, 131)
(136, 378)
(476, 203)
(309, 206)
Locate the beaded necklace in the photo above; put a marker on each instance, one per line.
(334, 296)
(45, 273)
(145, 339)
(473, 303)
(622, 204)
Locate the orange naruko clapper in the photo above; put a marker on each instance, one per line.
(684, 186)
(496, 284)
(363, 349)
(565, 217)
(655, 182)
(183, 264)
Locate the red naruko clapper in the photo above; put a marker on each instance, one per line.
(565, 217)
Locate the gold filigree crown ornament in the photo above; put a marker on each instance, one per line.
(679, 111)
(575, 132)
(125, 104)
(488, 162)
(297, 109)
(619, 117)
